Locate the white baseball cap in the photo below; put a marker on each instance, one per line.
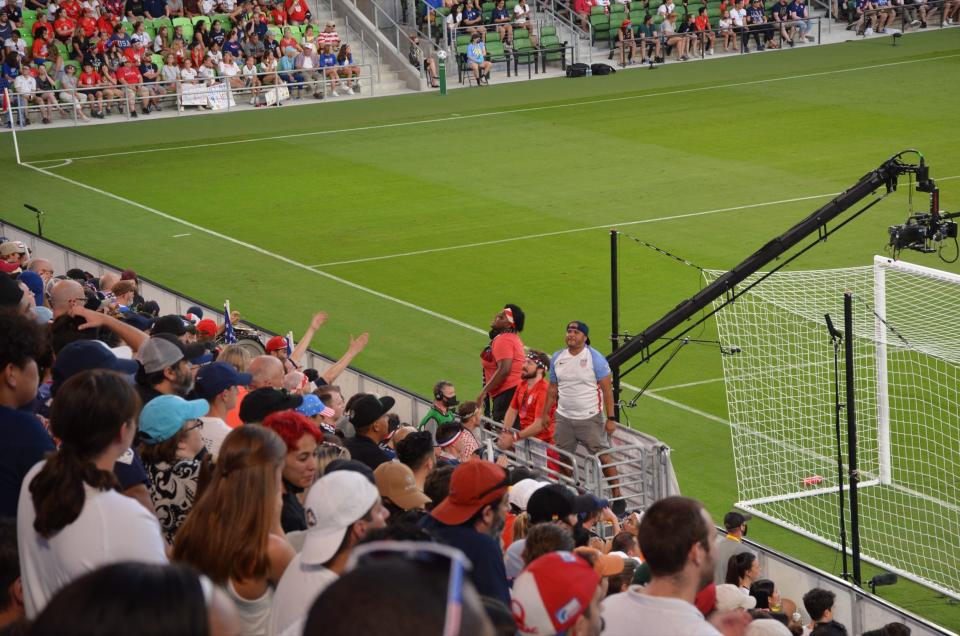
(730, 597)
(520, 492)
(337, 501)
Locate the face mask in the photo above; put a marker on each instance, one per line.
(450, 401)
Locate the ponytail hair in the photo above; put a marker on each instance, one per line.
(87, 415)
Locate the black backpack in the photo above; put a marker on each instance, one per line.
(577, 70)
(602, 69)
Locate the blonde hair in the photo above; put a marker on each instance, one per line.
(236, 356)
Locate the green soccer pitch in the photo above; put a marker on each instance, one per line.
(416, 217)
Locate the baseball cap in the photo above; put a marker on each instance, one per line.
(585, 504)
(207, 327)
(164, 350)
(333, 504)
(520, 492)
(353, 466)
(214, 379)
(164, 415)
(10, 247)
(276, 344)
(260, 403)
(312, 405)
(472, 486)
(730, 597)
(395, 482)
(172, 324)
(550, 503)
(603, 564)
(735, 519)
(83, 355)
(552, 592)
(368, 409)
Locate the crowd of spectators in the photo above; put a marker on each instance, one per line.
(157, 479)
(88, 59)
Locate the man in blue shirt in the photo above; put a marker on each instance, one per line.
(471, 519)
(798, 12)
(756, 23)
(476, 62)
(25, 440)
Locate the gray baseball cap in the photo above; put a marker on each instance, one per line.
(165, 350)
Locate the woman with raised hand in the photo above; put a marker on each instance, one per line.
(233, 533)
(70, 517)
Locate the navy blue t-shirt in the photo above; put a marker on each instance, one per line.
(488, 575)
(471, 14)
(755, 15)
(796, 9)
(233, 48)
(129, 470)
(25, 442)
(500, 14)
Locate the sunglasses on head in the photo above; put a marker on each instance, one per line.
(423, 553)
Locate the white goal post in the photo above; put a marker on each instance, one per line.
(780, 397)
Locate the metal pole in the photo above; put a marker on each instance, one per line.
(13, 126)
(615, 316)
(853, 475)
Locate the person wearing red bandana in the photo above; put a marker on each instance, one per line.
(502, 362)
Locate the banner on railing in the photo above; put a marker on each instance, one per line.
(216, 96)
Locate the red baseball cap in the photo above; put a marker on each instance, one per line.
(207, 327)
(552, 593)
(472, 486)
(276, 343)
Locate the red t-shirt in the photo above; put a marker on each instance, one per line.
(64, 27)
(129, 74)
(72, 8)
(285, 42)
(505, 346)
(134, 54)
(528, 402)
(40, 49)
(89, 26)
(279, 16)
(702, 22)
(296, 10)
(90, 79)
(104, 23)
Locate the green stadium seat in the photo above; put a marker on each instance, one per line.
(277, 31)
(28, 13)
(524, 53)
(187, 27)
(521, 34)
(551, 50)
(149, 30)
(201, 18)
(225, 20)
(74, 63)
(157, 59)
(492, 36)
(601, 27)
(62, 48)
(27, 41)
(509, 5)
(547, 31)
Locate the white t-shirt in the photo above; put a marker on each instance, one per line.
(111, 528)
(579, 396)
(207, 73)
(738, 16)
(521, 12)
(187, 74)
(143, 38)
(25, 84)
(229, 70)
(214, 429)
(664, 9)
(19, 47)
(633, 613)
(297, 590)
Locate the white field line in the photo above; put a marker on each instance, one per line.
(260, 250)
(521, 110)
(685, 385)
(589, 228)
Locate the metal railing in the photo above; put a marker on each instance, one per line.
(898, 17)
(215, 94)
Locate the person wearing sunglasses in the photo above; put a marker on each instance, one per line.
(340, 508)
(471, 518)
(171, 448)
(436, 595)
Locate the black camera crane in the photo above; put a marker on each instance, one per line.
(933, 226)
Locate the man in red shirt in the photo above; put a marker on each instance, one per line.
(129, 77)
(528, 402)
(279, 16)
(297, 11)
(502, 362)
(73, 8)
(88, 23)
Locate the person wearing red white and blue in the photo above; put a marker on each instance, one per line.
(558, 593)
(581, 388)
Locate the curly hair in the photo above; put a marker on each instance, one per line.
(21, 339)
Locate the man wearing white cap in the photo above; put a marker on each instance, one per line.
(341, 508)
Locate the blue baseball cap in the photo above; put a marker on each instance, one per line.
(214, 379)
(84, 355)
(312, 405)
(164, 415)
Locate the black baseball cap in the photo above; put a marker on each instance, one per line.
(550, 503)
(260, 403)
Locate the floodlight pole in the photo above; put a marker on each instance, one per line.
(853, 475)
(615, 316)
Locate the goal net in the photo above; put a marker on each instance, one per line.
(780, 395)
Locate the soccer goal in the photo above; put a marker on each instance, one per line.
(780, 395)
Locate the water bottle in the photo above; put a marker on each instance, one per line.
(589, 71)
